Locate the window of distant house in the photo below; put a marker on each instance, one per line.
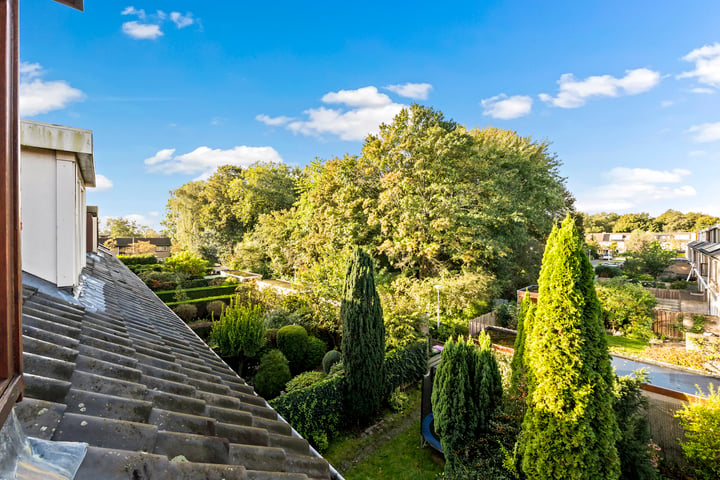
(162, 248)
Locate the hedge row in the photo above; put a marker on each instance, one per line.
(197, 302)
(197, 293)
(406, 365)
(144, 259)
(316, 412)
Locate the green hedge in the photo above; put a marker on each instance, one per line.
(168, 296)
(405, 365)
(144, 259)
(316, 412)
(199, 301)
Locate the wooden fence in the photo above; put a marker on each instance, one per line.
(683, 295)
(476, 325)
(667, 324)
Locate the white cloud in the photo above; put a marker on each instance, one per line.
(574, 93)
(697, 153)
(504, 107)
(142, 31)
(102, 183)
(134, 11)
(161, 156)
(667, 103)
(633, 188)
(205, 160)
(360, 113)
(40, 96)
(181, 20)
(273, 121)
(362, 97)
(705, 132)
(707, 65)
(416, 91)
(702, 90)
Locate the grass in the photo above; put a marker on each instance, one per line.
(392, 449)
(401, 458)
(626, 346)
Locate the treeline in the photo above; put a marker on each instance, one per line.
(432, 201)
(670, 221)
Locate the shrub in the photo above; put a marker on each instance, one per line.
(240, 331)
(632, 446)
(701, 447)
(292, 340)
(186, 311)
(405, 365)
(679, 285)
(627, 307)
(316, 412)
(159, 280)
(331, 358)
(271, 335)
(304, 380)
(197, 293)
(607, 271)
(466, 390)
(278, 318)
(272, 375)
(187, 262)
(315, 352)
(216, 308)
(507, 315)
(398, 400)
(144, 259)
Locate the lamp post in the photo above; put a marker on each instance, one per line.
(437, 287)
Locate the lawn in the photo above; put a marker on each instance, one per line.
(390, 450)
(400, 458)
(626, 346)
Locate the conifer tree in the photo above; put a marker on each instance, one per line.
(569, 430)
(518, 380)
(363, 339)
(466, 391)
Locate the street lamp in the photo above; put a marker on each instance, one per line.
(437, 287)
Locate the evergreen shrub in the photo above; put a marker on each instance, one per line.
(304, 380)
(215, 308)
(197, 293)
(144, 259)
(607, 271)
(315, 352)
(405, 365)
(316, 412)
(292, 340)
(240, 331)
(331, 358)
(271, 335)
(272, 374)
(186, 311)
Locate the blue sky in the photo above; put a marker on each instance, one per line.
(625, 92)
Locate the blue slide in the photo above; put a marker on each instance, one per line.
(428, 434)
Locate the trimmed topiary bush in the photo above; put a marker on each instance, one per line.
(272, 375)
(215, 308)
(304, 380)
(186, 311)
(331, 358)
(292, 340)
(315, 352)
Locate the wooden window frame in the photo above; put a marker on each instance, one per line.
(11, 381)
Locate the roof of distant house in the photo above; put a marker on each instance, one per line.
(117, 369)
(128, 241)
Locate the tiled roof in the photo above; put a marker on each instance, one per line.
(115, 368)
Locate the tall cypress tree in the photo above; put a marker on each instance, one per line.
(363, 339)
(569, 430)
(518, 381)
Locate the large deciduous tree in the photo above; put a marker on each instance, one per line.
(363, 339)
(569, 430)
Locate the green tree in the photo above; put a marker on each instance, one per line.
(600, 222)
(363, 339)
(627, 307)
(188, 263)
(651, 259)
(701, 446)
(239, 332)
(466, 390)
(518, 380)
(634, 221)
(569, 430)
(123, 227)
(272, 375)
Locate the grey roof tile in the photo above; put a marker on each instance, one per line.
(116, 368)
